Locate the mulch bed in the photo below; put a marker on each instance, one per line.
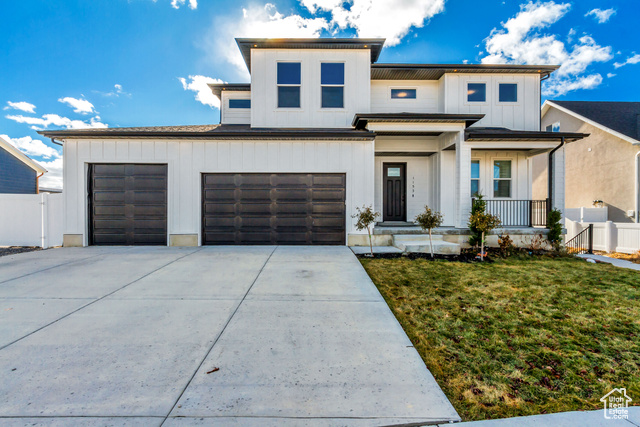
(12, 250)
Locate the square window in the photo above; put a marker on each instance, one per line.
(476, 92)
(502, 188)
(289, 96)
(288, 73)
(239, 103)
(403, 93)
(332, 96)
(502, 169)
(508, 92)
(332, 73)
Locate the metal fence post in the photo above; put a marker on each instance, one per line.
(590, 239)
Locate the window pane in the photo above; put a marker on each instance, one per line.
(475, 187)
(239, 103)
(332, 73)
(475, 169)
(556, 127)
(549, 128)
(289, 96)
(502, 188)
(288, 73)
(403, 93)
(393, 172)
(332, 97)
(502, 169)
(476, 92)
(508, 92)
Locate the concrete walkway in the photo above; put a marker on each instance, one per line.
(613, 261)
(133, 336)
(561, 419)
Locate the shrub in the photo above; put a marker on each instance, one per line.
(483, 222)
(429, 220)
(479, 205)
(506, 245)
(366, 218)
(555, 228)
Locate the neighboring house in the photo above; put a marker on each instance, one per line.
(603, 166)
(320, 130)
(18, 173)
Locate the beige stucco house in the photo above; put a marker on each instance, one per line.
(603, 166)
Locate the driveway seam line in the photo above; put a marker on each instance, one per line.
(52, 267)
(218, 337)
(96, 300)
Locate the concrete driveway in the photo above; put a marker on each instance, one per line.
(128, 336)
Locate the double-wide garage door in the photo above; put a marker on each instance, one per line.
(127, 204)
(277, 209)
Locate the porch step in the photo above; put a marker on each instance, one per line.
(420, 244)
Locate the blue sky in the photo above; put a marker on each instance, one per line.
(95, 63)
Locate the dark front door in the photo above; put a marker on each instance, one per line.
(395, 190)
(273, 208)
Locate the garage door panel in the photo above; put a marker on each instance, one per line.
(128, 204)
(288, 208)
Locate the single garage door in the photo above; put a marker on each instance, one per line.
(128, 204)
(273, 209)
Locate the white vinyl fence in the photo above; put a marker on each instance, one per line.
(587, 214)
(31, 220)
(609, 236)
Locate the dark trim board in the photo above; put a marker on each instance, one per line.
(273, 209)
(404, 154)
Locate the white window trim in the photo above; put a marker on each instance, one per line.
(493, 179)
(277, 108)
(343, 86)
(487, 92)
(518, 94)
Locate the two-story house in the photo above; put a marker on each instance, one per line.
(320, 130)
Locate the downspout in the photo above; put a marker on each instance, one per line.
(637, 186)
(38, 183)
(550, 174)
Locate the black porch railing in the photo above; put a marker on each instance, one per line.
(519, 213)
(581, 243)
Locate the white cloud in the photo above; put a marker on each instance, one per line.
(80, 106)
(193, 4)
(631, 60)
(53, 177)
(259, 21)
(58, 121)
(33, 147)
(520, 42)
(600, 15)
(22, 106)
(199, 85)
(391, 19)
(609, 75)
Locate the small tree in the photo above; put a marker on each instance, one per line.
(479, 205)
(483, 222)
(366, 217)
(555, 228)
(429, 220)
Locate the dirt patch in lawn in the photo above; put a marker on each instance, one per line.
(519, 336)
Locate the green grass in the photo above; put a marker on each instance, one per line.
(519, 336)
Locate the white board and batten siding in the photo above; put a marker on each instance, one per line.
(521, 115)
(235, 116)
(427, 96)
(188, 159)
(264, 91)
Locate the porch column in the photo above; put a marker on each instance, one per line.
(557, 192)
(463, 181)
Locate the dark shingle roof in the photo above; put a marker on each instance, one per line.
(504, 134)
(623, 117)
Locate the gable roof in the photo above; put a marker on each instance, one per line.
(7, 146)
(621, 119)
(245, 45)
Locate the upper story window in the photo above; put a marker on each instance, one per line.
(553, 127)
(332, 81)
(476, 92)
(289, 79)
(475, 178)
(508, 92)
(239, 103)
(502, 178)
(403, 94)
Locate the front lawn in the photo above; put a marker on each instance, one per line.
(519, 336)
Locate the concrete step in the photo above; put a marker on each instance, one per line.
(408, 243)
(415, 237)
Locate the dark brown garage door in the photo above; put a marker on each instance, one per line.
(276, 209)
(128, 204)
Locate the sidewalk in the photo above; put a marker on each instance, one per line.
(561, 419)
(613, 261)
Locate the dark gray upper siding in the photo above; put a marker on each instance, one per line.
(15, 176)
